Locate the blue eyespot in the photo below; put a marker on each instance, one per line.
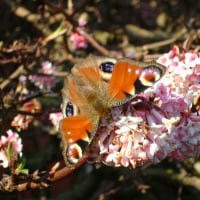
(69, 110)
(107, 67)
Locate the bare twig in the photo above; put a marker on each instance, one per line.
(164, 42)
(7, 184)
(16, 73)
(93, 42)
(191, 37)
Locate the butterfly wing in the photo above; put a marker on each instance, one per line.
(130, 78)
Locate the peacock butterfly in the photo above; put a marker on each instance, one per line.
(94, 86)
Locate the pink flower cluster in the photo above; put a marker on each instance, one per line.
(12, 140)
(78, 41)
(158, 123)
(46, 80)
(22, 121)
(55, 119)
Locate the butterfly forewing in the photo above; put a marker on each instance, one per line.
(130, 78)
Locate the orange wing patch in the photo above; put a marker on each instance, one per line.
(91, 73)
(75, 128)
(123, 78)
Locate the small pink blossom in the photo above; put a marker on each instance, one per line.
(192, 59)
(14, 139)
(22, 85)
(149, 130)
(46, 80)
(22, 79)
(83, 20)
(55, 119)
(48, 68)
(22, 121)
(78, 41)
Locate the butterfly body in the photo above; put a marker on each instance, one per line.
(94, 86)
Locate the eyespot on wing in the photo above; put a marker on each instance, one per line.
(102, 66)
(106, 69)
(150, 74)
(72, 154)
